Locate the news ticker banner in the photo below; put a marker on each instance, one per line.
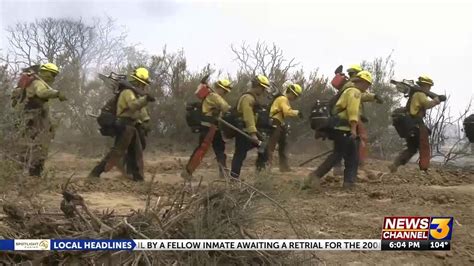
(221, 244)
(398, 233)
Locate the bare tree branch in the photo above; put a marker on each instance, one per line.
(264, 59)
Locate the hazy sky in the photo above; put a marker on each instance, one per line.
(427, 37)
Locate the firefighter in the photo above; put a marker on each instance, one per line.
(143, 128)
(36, 126)
(345, 136)
(351, 72)
(213, 106)
(418, 104)
(246, 110)
(131, 100)
(279, 111)
(365, 97)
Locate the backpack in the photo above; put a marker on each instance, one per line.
(468, 124)
(27, 77)
(320, 112)
(264, 121)
(402, 121)
(194, 116)
(107, 118)
(322, 120)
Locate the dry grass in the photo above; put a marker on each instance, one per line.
(222, 210)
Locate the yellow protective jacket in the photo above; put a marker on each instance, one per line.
(367, 97)
(348, 84)
(281, 109)
(420, 103)
(39, 93)
(348, 107)
(245, 108)
(130, 106)
(214, 105)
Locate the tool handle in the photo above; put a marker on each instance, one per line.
(315, 157)
(257, 142)
(430, 94)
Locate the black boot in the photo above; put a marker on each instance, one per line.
(137, 177)
(261, 161)
(284, 166)
(348, 185)
(98, 170)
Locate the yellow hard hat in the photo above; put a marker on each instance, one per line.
(141, 75)
(356, 68)
(50, 67)
(262, 81)
(425, 79)
(295, 89)
(365, 75)
(225, 84)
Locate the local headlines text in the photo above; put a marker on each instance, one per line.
(219, 244)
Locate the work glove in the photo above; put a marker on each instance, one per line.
(300, 115)
(442, 98)
(150, 98)
(61, 96)
(378, 99)
(255, 139)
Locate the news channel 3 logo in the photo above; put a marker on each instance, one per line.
(441, 228)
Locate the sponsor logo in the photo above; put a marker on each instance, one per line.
(32, 244)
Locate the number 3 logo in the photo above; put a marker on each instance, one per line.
(440, 228)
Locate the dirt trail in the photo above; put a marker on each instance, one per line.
(327, 213)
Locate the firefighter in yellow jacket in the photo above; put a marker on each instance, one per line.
(213, 106)
(279, 111)
(345, 136)
(352, 71)
(246, 108)
(36, 127)
(131, 100)
(418, 104)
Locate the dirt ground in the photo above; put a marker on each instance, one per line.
(329, 212)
